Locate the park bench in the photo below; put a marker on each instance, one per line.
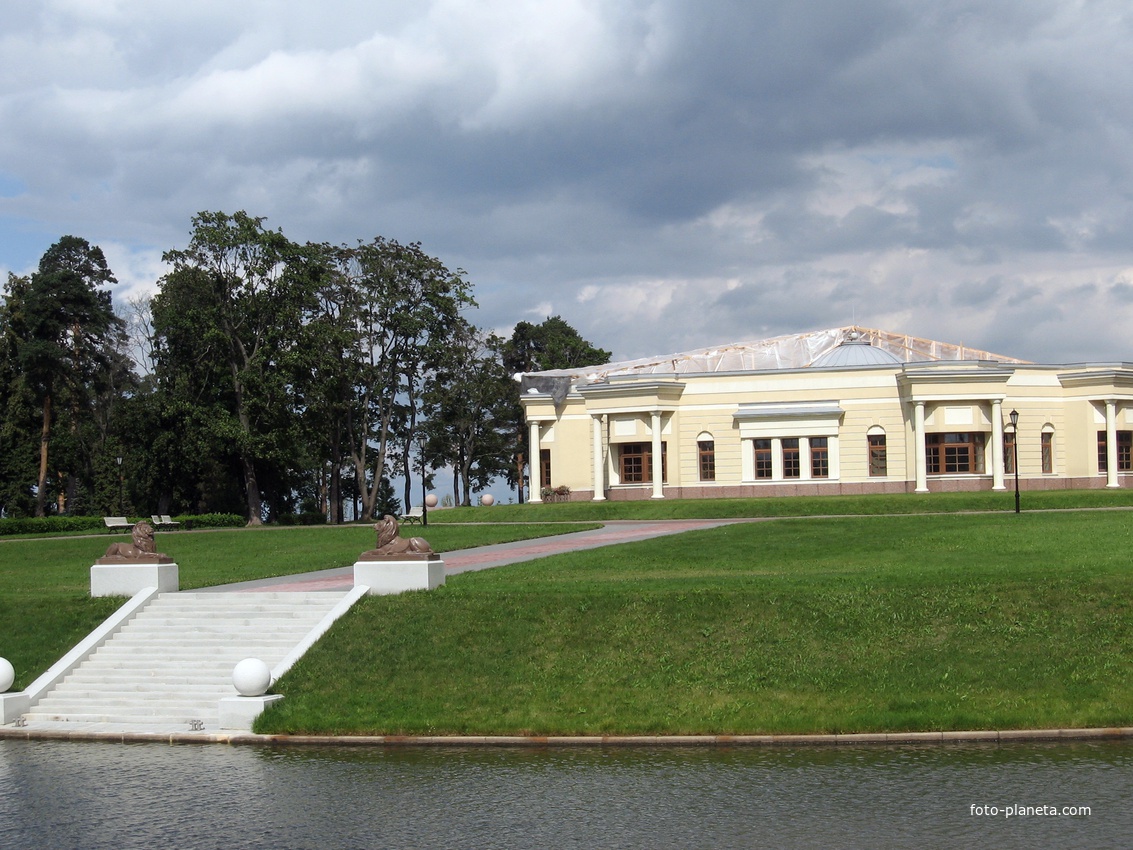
(117, 523)
(163, 521)
(413, 515)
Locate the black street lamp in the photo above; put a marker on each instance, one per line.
(1015, 453)
(118, 460)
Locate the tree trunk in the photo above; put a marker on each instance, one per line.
(252, 491)
(45, 435)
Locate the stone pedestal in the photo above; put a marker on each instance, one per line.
(398, 573)
(125, 578)
(13, 705)
(239, 713)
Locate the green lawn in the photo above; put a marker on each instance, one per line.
(871, 623)
(45, 605)
(819, 625)
(874, 505)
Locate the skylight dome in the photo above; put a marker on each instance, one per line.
(855, 351)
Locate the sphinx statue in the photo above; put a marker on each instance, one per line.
(392, 546)
(141, 549)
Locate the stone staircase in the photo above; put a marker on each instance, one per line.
(171, 663)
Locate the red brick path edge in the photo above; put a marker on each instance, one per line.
(244, 738)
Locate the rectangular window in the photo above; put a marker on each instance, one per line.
(791, 457)
(954, 454)
(1048, 453)
(878, 465)
(762, 458)
(544, 467)
(1124, 452)
(636, 463)
(706, 450)
(1009, 453)
(819, 457)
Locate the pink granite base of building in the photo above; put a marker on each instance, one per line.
(837, 488)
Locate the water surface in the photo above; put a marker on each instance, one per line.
(115, 796)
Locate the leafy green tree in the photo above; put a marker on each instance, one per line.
(400, 304)
(221, 319)
(552, 344)
(62, 339)
(469, 407)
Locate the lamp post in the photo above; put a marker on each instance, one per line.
(1015, 453)
(118, 460)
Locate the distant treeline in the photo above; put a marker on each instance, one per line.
(265, 378)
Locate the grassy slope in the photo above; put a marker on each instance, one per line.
(45, 606)
(873, 505)
(867, 624)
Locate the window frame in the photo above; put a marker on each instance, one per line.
(764, 465)
(878, 460)
(1124, 452)
(706, 459)
(819, 457)
(644, 456)
(790, 451)
(544, 467)
(943, 455)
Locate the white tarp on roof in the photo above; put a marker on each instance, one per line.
(796, 351)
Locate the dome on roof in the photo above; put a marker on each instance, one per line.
(855, 351)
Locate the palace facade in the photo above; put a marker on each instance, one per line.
(847, 410)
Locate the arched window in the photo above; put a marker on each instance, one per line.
(878, 463)
(706, 456)
(1048, 449)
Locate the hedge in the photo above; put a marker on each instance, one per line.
(61, 524)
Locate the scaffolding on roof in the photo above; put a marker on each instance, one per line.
(794, 351)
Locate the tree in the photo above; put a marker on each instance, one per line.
(63, 336)
(402, 304)
(553, 344)
(469, 406)
(225, 311)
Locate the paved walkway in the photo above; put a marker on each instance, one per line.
(485, 557)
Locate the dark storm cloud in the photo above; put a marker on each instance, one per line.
(665, 174)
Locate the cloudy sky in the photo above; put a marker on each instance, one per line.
(664, 174)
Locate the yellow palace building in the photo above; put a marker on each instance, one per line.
(847, 410)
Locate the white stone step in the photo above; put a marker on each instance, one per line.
(172, 662)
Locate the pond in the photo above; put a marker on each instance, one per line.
(115, 796)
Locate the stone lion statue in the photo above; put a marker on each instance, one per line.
(390, 541)
(141, 547)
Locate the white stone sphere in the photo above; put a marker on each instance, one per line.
(487, 500)
(7, 674)
(251, 677)
(431, 500)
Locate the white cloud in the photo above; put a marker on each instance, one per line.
(678, 174)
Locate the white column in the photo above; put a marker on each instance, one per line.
(918, 439)
(747, 460)
(658, 491)
(599, 462)
(1111, 443)
(804, 458)
(997, 444)
(536, 463)
(776, 459)
(835, 458)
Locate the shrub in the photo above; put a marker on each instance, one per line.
(189, 521)
(302, 518)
